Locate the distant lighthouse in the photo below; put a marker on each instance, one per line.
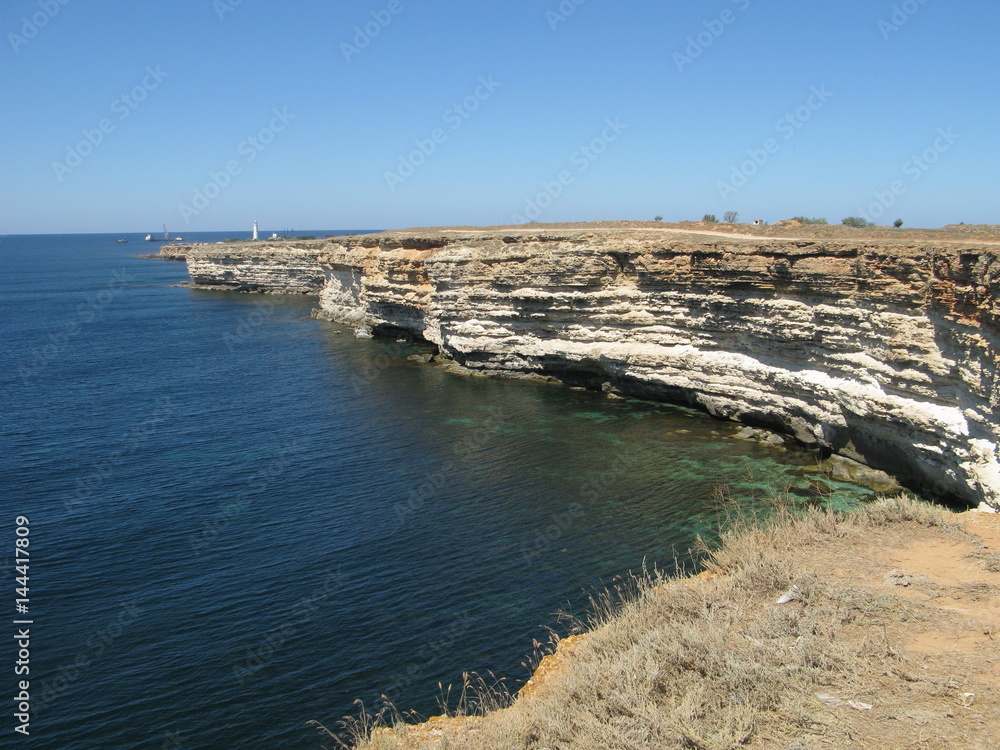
(255, 231)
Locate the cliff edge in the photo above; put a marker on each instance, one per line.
(874, 630)
(877, 346)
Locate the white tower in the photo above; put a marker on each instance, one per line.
(255, 231)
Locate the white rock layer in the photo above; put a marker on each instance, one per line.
(883, 354)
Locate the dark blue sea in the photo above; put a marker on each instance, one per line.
(241, 519)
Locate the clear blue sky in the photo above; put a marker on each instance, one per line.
(556, 81)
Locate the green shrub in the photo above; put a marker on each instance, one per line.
(897, 223)
(806, 220)
(857, 221)
(710, 218)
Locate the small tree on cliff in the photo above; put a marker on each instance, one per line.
(897, 223)
(710, 218)
(730, 217)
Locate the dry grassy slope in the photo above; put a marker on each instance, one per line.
(891, 642)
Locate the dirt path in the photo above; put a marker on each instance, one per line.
(942, 688)
(665, 229)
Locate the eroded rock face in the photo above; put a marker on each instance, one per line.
(883, 353)
(257, 267)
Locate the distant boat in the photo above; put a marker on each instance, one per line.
(123, 240)
(166, 236)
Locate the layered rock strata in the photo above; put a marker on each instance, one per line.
(882, 352)
(257, 267)
(169, 252)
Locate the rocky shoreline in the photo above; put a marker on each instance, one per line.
(878, 347)
(174, 253)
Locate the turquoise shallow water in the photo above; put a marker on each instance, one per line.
(243, 519)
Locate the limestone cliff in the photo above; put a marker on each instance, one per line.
(256, 267)
(881, 351)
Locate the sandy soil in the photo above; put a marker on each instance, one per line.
(945, 690)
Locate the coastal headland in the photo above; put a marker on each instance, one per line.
(878, 345)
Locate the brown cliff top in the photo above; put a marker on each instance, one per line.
(979, 234)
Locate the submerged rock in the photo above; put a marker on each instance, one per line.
(762, 436)
(846, 470)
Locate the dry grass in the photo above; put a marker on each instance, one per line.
(714, 663)
(990, 559)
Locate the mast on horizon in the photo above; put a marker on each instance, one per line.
(255, 230)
